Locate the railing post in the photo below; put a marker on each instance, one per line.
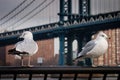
(75, 77)
(15, 76)
(60, 77)
(118, 78)
(45, 76)
(104, 77)
(30, 76)
(0, 76)
(90, 76)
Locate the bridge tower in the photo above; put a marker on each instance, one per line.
(65, 11)
(66, 54)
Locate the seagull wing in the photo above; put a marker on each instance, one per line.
(29, 46)
(88, 47)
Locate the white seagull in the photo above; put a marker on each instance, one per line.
(26, 47)
(94, 48)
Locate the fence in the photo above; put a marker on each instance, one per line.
(61, 72)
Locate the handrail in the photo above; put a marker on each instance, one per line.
(61, 70)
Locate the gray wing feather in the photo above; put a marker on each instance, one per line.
(88, 47)
(27, 46)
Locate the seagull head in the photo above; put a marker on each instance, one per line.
(26, 35)
(102, 35)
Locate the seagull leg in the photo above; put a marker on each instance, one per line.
(22, 63)
(29, 65)
(93, 65)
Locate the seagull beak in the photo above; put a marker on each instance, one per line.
(20, 38)
(108, 37)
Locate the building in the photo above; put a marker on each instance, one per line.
(45, 53)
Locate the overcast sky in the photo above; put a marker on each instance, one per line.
(29, 14)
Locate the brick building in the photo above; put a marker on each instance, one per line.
(112, 57)
(46, 52)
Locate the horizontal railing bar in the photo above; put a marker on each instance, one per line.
(59, 70)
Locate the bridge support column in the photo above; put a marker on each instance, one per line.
(61, 51)
(84, 7)
(69, 57)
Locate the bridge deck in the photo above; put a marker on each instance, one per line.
(94, 23)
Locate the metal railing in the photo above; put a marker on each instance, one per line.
(74, 72)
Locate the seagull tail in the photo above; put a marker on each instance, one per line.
(78, 57)
(11, 51)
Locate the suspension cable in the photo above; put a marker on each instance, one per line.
(27, 14)
(13, 10)
(37, 12)
(18, 12)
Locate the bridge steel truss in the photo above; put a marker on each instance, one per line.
(68, 30)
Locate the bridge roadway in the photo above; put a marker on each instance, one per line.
(77, 24)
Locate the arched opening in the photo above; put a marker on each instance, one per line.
(74, 48)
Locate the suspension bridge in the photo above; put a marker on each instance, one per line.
(68, 26)
(66, 19)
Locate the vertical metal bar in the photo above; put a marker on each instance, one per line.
(15, 76)
(84, 7)
(70, 53)
(69, 9)
(90, 76)
(118, 78)
(104, 77)
(61, 16)
(75, 77)
(61, 53)
(45, 76)
(0, 76)
(60, 77)
(30, 76)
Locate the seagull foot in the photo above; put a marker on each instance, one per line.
(94, 65)
(24, 66)
(30, 65)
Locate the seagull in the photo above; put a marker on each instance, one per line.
(94, 48)
(26, 47)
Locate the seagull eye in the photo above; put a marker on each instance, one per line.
(103, 36)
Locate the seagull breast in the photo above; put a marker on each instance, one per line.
(100, 48)
(28, 45)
